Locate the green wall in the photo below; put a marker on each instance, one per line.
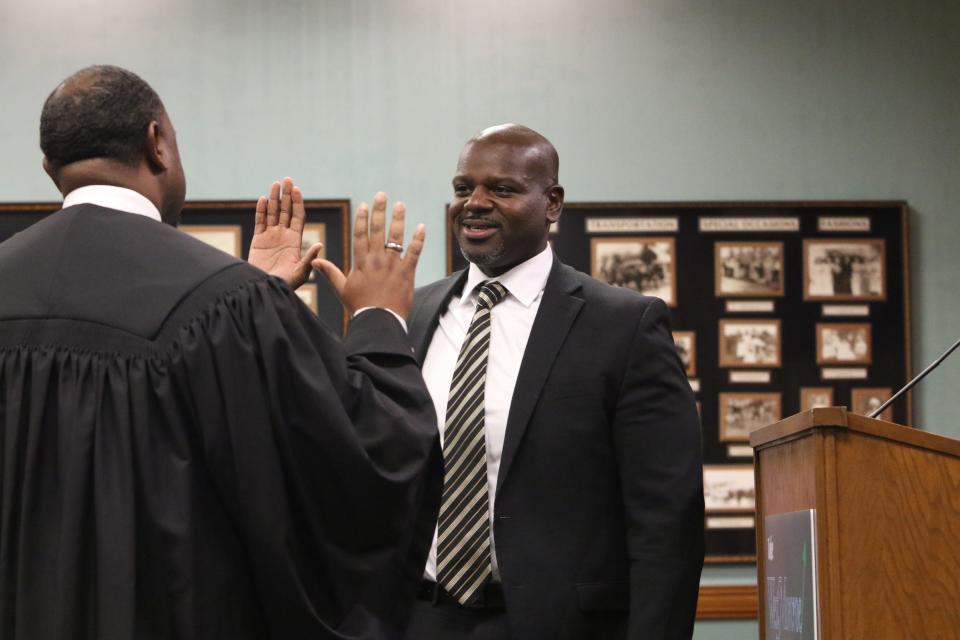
(645, 100)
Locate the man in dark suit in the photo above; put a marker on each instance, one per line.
(186, 452)
(585, 517)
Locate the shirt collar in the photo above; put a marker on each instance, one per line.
(524, 282)
(112, 197)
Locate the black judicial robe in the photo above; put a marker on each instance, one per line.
(187, 452)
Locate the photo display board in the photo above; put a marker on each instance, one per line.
(777, 307)
(228, 226)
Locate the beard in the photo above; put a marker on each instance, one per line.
(482, 258)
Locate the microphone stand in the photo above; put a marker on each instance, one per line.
(931, 367)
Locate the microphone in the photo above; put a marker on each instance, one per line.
(933, 365)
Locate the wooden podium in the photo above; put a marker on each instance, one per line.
(887, 532)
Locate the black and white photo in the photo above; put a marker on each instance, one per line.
(843, 343)
(815, 397)
(750, 343)
(314, 232)
(844, 269)
(743, 413)
(728, 488)
(864, 401)
(644, 264)
(748, 269)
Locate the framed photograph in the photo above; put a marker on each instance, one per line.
(647, 265)
(225, 237)
(750, 343)
(308, 293)
(728, 488)
(844, 269)
(864, 401)
(743, 413)
(815, 397)
(314, 232)
(686, 342)
(748, 269)
(843, 343)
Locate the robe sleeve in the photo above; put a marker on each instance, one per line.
(324, 452)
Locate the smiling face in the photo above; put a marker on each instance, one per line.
(505, 198)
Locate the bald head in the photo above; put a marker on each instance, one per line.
(535, 149)
(98, 112)
(505, 197)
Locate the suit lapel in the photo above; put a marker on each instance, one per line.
(556, 314)
(425, 315)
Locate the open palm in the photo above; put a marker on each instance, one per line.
(278, 235)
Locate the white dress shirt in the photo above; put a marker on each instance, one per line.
(510, 324)
(110, 197)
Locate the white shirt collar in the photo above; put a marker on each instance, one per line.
(111, 197)
(524, 282)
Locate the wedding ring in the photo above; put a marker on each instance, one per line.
(395, 246)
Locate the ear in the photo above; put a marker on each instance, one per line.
(155, 152)
(554, 203)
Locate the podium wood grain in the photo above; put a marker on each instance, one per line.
(888, 520)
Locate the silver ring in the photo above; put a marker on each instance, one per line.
(394, 246)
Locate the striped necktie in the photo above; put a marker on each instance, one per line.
(463, 531)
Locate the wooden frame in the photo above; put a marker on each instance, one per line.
(638, 265)
(860, 398)
(732, 360)
(225, 237)
(813, 274)
(809, 396)
(720, 269)
(689, 347)
(727, 402)
(863, 330)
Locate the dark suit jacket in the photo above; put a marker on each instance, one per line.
(599, 504)
(186, 452)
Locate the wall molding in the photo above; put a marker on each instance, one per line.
(728, 602)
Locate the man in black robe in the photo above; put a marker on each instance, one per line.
(185, 451)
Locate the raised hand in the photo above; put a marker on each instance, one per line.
(381, 276)
(278, 235)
